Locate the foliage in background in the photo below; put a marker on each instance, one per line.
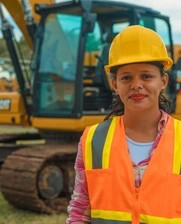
(24, 55)
(26, 52)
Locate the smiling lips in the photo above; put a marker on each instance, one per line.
(137, 97)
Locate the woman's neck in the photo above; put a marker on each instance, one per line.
(141, 127)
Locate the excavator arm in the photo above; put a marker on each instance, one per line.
(16, 11)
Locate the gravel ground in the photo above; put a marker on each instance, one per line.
(11, 129)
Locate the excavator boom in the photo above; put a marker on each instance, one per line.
(16, 11)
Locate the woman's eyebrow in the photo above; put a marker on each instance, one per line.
(128, 73)
(124, 73)
(145, 70)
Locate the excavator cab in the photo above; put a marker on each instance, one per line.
(69, 90)
(66, 61)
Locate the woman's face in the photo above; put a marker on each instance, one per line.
(139, 86)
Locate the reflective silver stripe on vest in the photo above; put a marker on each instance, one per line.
(98, 141)
(103, 221)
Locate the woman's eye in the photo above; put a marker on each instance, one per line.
(147, 76)
(126, 78)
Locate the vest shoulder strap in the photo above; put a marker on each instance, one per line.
(95, 143)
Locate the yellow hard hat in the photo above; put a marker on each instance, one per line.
(137, 44)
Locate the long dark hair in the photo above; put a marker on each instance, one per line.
(117, 106)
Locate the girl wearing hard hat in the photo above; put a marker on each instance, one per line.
(128, 166)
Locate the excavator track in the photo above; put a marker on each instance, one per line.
(40, 177)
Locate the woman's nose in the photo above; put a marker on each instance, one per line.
(136, 84)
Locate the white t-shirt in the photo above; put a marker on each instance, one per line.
(138, 151)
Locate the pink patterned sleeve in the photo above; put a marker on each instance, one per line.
(79, 206)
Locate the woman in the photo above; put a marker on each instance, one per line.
(128, 166)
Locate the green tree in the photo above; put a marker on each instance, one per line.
(3, 49)
(25, 50)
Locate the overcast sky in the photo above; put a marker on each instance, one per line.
(171, 8)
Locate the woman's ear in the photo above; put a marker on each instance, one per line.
(114, 85)
(165, 79)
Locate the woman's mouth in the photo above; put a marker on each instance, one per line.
(137, 97)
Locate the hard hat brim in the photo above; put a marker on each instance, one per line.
(167, 62)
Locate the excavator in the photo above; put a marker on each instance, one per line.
(68, 89)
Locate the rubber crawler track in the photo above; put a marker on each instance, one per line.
(19, 174)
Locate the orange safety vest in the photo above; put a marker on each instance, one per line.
(113, 196)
